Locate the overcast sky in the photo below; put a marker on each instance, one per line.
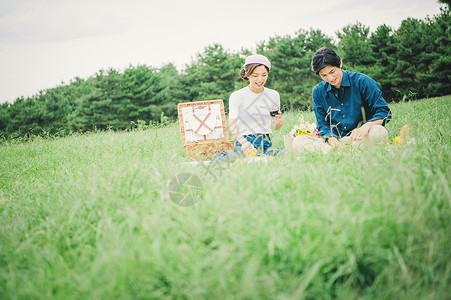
(45, 42)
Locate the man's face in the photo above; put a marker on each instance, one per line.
(332, 75)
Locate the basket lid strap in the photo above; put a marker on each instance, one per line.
(202, 122)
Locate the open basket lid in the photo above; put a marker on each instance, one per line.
(202, 120)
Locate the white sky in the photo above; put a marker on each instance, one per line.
(45, 42)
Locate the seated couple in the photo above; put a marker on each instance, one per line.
(348, 106)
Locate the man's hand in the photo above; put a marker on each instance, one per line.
(359, 133)
(334, 142)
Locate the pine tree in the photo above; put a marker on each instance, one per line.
(354, 47)
(211, 75)
(291, 73)
(384, 53)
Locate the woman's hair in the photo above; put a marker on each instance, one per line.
(325, 57)
(249, 69)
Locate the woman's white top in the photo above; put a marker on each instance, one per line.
(252, 110)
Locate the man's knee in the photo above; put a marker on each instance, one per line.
(377, 134)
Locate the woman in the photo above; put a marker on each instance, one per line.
(253, 109)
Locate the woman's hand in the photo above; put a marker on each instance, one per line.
(277, 121)
(246, 146)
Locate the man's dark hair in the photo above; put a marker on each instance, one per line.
(325, 57)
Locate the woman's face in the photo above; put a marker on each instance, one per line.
(258, 79)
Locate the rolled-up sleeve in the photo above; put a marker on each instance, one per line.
(378, 107)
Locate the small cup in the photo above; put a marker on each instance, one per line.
(250, 152)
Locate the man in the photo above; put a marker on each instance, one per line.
(348, 106)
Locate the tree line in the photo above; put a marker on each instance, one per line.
(413, 61)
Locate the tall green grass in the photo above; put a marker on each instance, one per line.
(90, 217)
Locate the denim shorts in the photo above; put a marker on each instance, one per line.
(261, 142)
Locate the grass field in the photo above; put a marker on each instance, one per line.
(89, 216)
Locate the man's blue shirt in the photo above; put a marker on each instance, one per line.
(357, 101)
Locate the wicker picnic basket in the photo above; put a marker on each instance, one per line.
(203, 128)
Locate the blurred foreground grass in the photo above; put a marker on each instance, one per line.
(90, 217)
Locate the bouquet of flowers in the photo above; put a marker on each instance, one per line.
(304, 128)
(305, 137)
